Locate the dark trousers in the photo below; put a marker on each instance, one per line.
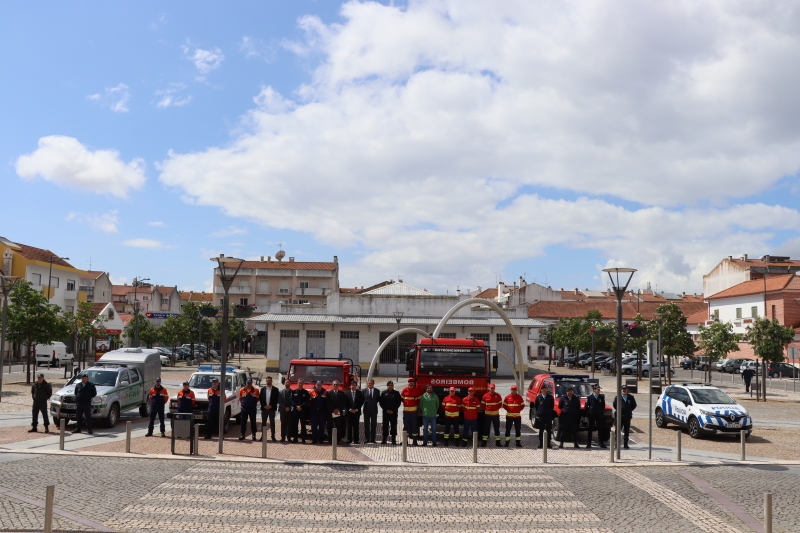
(490, 422)
(410, 424)
(156, 411)
(288, 426)
(353, 430)
(212, 421)
(370, 426)
(389, 425)
(626, 429)
(516, 423)
(545, 425)
(450, 421)
(747, 385)
(596, 423)
(268, 415)
(248, 414)
(300, 418)
(39, 408)
(338, 423)
(568, 424)
(84, 412)
(470, 427)
(318, 419)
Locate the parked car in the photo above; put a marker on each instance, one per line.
(782, 370)
(719, 365)
(732, 366)
(658, 371)
(697, 363)
(702, 410)
(570, 358)
(54, 354)
(752, 365)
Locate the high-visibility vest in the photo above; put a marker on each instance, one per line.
(411, 396)
(185, 401)
(491, 404)
(513, 404)
(470, 405)
(158, 395)
(452, 406)
(248, 397)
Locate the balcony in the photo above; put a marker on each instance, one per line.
(263, 291)
(234, 290)
(284, 291)
(70, 294)
(312, 291)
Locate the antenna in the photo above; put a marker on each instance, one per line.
(90, 262)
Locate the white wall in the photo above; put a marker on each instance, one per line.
(727, 310)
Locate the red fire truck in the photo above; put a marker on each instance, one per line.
(326, 370)
(445, 363)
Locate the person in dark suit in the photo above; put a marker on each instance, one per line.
(570, 406)
(747, 377)
(370, 410)
(545, 411)
(268, 398)
(628, 405)
(335, 411)
(353, 402)
(285, 408)
(84, 392)
(390, 402)
(596, 410)
(300, 400)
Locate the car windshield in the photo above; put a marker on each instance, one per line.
(102, 378)
(580, 388)
(312, 373)
(452, 360)
(203, 381)
(708, 396)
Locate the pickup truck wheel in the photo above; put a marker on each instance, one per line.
(144, 410)
(661, 420)
(113, 416)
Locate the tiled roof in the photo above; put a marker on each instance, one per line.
(196, 296)
(92, 274)
(699, 317)
(291, 265)
(38, 254)
(120, 290)
(397, 289)
(759, 263)
(355, 290)
(489, 294)
(608, 309)
(166, 290)
(98, 308)
(125, 317)
(390, 320)
(758, 286)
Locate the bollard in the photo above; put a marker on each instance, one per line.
(404, 436)
(767, 512)
(128, 436)
(335, 443)
(680, 434)
(263, 445)
(474, 446)
(196, 439)
(62, 431)
(48, 509)
(545, 444)
(744, 449)
(612, 442)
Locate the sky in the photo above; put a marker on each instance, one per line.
(450, 143)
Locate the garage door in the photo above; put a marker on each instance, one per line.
(348, 345)
(290, 348)
(315, 343)
(505, 344)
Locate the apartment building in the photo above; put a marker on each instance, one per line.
(733, 271)
(97, 286)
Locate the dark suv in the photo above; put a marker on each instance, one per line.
(782, 370)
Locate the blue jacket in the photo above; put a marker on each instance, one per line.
(85, 393)
(545, 406)
(214, 400)
(596, 406)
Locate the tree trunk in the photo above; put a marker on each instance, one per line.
(764, 378)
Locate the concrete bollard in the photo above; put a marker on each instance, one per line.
(404, 451)
(196, 439)
(474, 446)
(767, 512)
(545, 445)
(744, 446)
(334, 443)
(263, 445)
(128, 436)
(62, 430)
(679, 433)
(48, 508)
(612, 446)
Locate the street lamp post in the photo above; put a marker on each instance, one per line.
(660, 320)
(398, 316)
(620, 278)
(7, 284)
(227, 281)
(53, 259)
(136, 282)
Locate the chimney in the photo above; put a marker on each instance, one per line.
(744, 257)
(458, 291)
(262, 258)
(269, 259)
(399, 280)
(521, 281)
(501, 288)
(684, 294)
(577, 291)
(291, 259)
(335, 259)
(479, 289)
(730, 258)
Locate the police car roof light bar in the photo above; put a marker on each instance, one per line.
(568, 376)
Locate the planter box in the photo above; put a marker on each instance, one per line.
(242, 313)
(209, 311)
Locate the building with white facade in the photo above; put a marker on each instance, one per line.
(733, 271)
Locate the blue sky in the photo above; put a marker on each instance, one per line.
(449, 143)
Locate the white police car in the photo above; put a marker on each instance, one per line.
(703, 409)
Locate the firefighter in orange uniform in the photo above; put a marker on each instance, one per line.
(248, 396)
(186, 401)
(470, 406)
(157, 397)
(514, 404)
(491, 414)
(452, 410)
(410, 397)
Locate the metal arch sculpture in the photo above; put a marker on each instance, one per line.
(499, 311)
(385, 343)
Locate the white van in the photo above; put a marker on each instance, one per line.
(54, 354)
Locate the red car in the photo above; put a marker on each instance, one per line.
(559, 383)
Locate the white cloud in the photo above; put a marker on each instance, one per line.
(253, 47)
(157, 224)
(107, 222)
(146, 243)
(121, 280)
(229, 231)
(65, 161)
(170, 98)
(115, 98)
(204, 60)
(428, 129)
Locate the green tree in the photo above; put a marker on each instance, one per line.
(716, 342)
(32, 321)
(547, 336)
(147, 331)
(191, 317)
(215, 333)
(768, 339)
(173, 333)
(675, 340)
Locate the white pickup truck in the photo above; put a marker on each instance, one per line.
(200, 382)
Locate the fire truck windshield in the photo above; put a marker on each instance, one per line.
(313, 373)
(452, 360)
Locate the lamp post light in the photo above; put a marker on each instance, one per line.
(226, 280)
(398, 316)
(659, 321)
(620, 278)
(53, 259)
(136, 282)
(7, 284)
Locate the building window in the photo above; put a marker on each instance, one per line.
(774, 314)
(315, 334)
(54, 282)
(263, 286)
(242, 301)
(36, 279)
(70, 284)
(738, 312)
(70, 309)
(349, 335)
(145, 298)
(716, 314)
(505, 337)
(164, 301)
(290, 333)
(754, 311)
(481, 337)
(303, 284)
(302, 301)
(447, 335)
(284, 287)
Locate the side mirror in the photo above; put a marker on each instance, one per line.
(124, 384)
(495, 361)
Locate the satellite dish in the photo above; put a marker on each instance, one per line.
(280, 255)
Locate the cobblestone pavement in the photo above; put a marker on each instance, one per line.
(16, 515)
(132, 494)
